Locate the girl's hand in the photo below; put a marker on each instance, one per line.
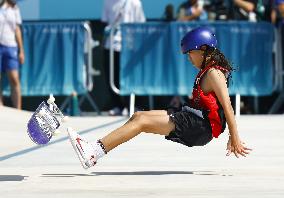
(236, 146)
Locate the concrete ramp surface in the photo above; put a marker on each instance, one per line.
(148, 165)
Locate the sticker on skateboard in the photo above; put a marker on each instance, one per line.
(45, 121)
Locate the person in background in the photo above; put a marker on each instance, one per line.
(279, 21)
(114, 13)
(192, 10)
(244, 10)
(278, 12)
(217, 10)
(169, 13)
(11, 48)
(265, 11)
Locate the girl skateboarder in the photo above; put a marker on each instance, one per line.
(195, 124)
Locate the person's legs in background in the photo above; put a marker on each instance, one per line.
(14, 80)
(118, 102)
(125, 102)
(176, 101)
(10, 65)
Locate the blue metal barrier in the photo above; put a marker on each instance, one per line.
(54, 59)
(152, 64)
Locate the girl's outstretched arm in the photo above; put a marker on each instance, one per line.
(217, 82)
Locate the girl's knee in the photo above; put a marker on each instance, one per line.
(142, 121)
(136, 115)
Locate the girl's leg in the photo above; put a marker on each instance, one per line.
(154, 112)
(140, 122)
(13, 76)
(151, 112)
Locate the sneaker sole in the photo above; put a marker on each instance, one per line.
(77, 149)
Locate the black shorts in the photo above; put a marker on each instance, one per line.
(191, 129)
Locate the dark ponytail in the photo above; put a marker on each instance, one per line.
(215, 57)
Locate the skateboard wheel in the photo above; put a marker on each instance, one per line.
(65, 119)
(51, 100)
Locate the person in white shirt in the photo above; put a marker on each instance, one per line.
(11, 48)
(114, 13)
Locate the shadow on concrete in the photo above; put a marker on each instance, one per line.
(66, 175)
(208, 173)
(145, 173)
(121, 173)
(12, 178)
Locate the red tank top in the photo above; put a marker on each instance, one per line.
(209, 103)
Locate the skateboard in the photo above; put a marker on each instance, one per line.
(45, 121)
(44, 124)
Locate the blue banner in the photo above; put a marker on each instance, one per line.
(54, 59)
(152, 63)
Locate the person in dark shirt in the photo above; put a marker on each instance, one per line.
(278, 13)
(191, 10)
(243, 10)
(169, 13)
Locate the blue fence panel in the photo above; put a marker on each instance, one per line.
(152, 64)
(54, 62)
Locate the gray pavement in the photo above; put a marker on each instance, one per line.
(145, 166)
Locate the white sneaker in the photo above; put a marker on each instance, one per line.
(84, 150)
(125, 112)
(114, 112)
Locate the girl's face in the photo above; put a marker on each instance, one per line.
(196, 57)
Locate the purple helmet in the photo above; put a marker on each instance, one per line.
(197, 37)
